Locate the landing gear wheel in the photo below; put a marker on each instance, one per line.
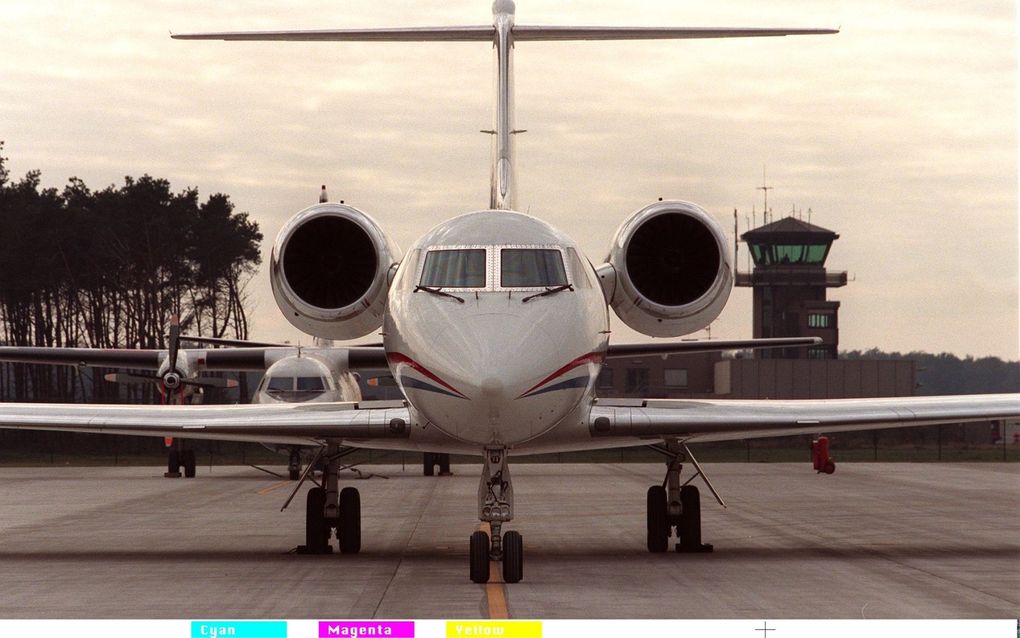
(444, 464)
(689, 528)
(316, 528)
(658, 523)
(173, 464)
(479, 557)
(429, 463)
(294, 474)
(348, 528)
(188, 461)
(513, 557)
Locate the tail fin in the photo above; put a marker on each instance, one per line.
(502, 33)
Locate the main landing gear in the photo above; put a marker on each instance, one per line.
(432, 459)
(327, 508)
(178, 459)
(675, 506)
(495, 507)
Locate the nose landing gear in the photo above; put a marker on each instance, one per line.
(495, 507)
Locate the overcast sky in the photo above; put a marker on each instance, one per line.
(900, 133)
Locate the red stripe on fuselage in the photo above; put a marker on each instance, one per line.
(591, 357)
(396, 357)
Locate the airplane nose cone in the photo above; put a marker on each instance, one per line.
(489, 351)
(483, 358)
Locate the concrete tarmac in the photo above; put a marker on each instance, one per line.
(874, 540)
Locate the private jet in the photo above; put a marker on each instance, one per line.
(495, 326)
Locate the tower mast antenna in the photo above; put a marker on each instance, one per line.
(765, 188)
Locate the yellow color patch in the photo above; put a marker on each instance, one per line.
(493, 629)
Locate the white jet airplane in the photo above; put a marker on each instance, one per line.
(495, 326)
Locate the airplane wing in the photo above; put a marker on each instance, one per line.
(726, 420)
(219, 359)
(625, 350)
(100, 357)
(353, 423)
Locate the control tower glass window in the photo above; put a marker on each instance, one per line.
(454, 269)
(531, 268)
(777, 254)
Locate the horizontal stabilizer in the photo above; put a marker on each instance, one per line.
(620, 351)
(397, 34)
(653, 33)
(487, 33)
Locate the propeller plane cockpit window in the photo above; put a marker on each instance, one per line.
(295, 389)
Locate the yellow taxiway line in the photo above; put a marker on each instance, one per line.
(495, 589)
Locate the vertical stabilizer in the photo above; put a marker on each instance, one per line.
(503, 168)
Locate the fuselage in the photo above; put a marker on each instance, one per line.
(496, 328)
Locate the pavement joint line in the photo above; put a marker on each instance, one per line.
(422, 508)
(495, 589)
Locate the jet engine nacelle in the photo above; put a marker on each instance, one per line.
(330, 271)
(669, 270)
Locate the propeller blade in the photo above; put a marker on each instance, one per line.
(174, 340)
(123, 377)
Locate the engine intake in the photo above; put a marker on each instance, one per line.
(671, 270)
(329, 271)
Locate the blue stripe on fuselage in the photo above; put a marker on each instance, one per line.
(409, 382)
(576, 382)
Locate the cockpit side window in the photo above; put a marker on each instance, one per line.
(461, 268)
(579, 269)
(407, 271)
(531, 268)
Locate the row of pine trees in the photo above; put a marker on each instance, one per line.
(108, 268)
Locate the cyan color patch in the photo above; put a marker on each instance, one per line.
(238, 629)
(374, 629)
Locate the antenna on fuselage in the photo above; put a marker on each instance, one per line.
(323, 196)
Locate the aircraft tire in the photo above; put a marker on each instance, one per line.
(513, 557)
(349, 526)
(658, 523)
(429, 464)
(173, 462)
(189, 463)
(479, 557)
(294, 474)
(316, 529)
(690, 521)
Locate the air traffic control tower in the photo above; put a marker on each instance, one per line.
(790, 282)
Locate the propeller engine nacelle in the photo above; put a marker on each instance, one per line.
(669, 271)
(330, 271)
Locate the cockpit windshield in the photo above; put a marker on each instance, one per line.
(462, 268)
(295, 389)
(531, 268)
